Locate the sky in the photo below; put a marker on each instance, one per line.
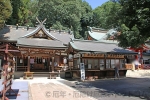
(96, 3)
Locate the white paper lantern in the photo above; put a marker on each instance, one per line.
(43, 60)
(21, 61)
(64, 60)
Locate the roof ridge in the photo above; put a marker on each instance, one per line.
(101, 41)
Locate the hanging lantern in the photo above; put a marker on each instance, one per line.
(43, 60)
(65, 60)
(21, 61)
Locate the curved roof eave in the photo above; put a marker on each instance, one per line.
(50, 35)
(33, 32)
(101, 35)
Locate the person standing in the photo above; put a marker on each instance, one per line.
(117, 71)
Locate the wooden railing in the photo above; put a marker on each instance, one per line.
(21, 68)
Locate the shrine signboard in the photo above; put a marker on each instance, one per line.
(115, 56)
(93, 55)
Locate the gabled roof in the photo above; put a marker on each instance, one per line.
(10, 33)
(97, 46)
(40, 27)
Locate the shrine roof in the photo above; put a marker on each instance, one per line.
(40, 43)
(96, 35)
(10, 33)
(99, 47)
(40, 27)
(100, 34)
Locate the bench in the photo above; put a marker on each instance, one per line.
(53, 75)
(28, 75)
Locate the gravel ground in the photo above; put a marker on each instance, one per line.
(110, 89)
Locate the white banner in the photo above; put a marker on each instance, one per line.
(82, 70)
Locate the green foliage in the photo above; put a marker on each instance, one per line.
(106, 16)
(135, 22)
(5, 11)
(67, 13)
(33, 12)
(58, 26)
(86, 19)
(20, 12)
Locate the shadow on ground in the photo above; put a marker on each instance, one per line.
(13, 94)
(125, 87)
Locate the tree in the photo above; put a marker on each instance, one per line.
(5, 11)
(20, 12)
(65, 12)
(135, 22)
(86, 19)
(106, 16)
(34, 6)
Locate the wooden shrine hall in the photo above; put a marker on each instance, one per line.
(50, 51)
(99, 58)
(41, 50)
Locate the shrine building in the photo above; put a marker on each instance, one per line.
(44, 51)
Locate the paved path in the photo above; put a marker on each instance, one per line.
(51, 89)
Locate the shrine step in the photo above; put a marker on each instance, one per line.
(22, 78)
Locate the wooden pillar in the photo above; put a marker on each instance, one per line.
(48, 63)
(22, 60)
(98, 65)
(53, 64)
(105, 60)
(28, 69)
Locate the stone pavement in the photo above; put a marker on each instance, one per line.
(52, 89)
